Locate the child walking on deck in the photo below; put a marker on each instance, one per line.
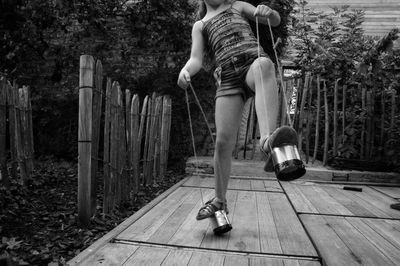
(242, 69)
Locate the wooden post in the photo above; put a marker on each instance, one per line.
(383, 109)
(31, 149)
(301, 111)
(164, 135)
(85, 140)
(11, 127)
(3, 132)
(114, 145)
(96, 112)
(309, 119)
(142, 156)
(344, 112)
(393, 110)
(153, 137)
(106, 153)
(18, 130)
(121, 150)
(335, 115)
(316, 143)
(369, 125)
(363, 108)
(325, 158)
(146, 155)
(135, 142)
(295, 115)
(129, 171)
(124, 186)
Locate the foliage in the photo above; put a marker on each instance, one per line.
(333, 45)
(38, 222)
(43, 40)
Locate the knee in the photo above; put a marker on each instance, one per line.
(266, 64)
(223, 143)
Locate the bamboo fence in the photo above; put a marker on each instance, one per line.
(16, 145)
(134, 144)
(321, 119)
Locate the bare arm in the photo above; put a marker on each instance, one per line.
(195, 62)
(263, 13)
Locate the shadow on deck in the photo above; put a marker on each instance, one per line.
(274, 223)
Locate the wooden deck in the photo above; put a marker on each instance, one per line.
(274, 223)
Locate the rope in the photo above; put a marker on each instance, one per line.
(274, 45)
(192, 135)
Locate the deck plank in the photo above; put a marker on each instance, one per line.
(367, 253)
(207, 259)
(110, 254)
(245, 237)
(177, 257)
(384, 246)
(147, 225)
(389, 229)
(332, 249)
(269, 239)
(298, 199)
(380, 201)
(393, 192)
(291, 233)
(236, 183)
(236, 261)
(147, 256)
(353, 206)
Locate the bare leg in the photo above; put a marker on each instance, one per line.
(228, 112)
(261, 78)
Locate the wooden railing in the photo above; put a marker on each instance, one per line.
(136, 140)
(16, 147)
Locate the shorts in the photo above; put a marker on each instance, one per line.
(230, 76)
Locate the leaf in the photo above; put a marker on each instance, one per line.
(13, 244)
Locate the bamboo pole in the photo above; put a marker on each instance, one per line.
(129, 171)
(163, 137)
(147, 141)
(135, 142)
(24, 157)
(18, 131)
(85, 140)
(335, 117)
(369, 125)
(254, 132)
(296, 108)
(30, 131)
(121, 163)
(157, 150)
(114, 145)
(383, 109)
(3, 132)
(364, 110)
(11, 127)
(309, 117)
(96, 112)
(326, 143)
(106, 153)
(393, 110)
(142, 155)
(152, 139)
(168, 103)
(344, 112)
(249, 128)
(301, 111)
(317, 119)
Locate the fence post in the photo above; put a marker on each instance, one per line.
(85, 140)
(301, 111)
(11, 127)
(106, 157)
(135, 142)
(326, 145)
(3, 121)
(142, 156)
(316, 143)
(393, 110)
(128, 134)
(335, 115)
(18, 130)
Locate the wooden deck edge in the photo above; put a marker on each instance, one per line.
(122, 226)
(205, 167)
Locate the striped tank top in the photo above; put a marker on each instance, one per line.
(229, 34)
